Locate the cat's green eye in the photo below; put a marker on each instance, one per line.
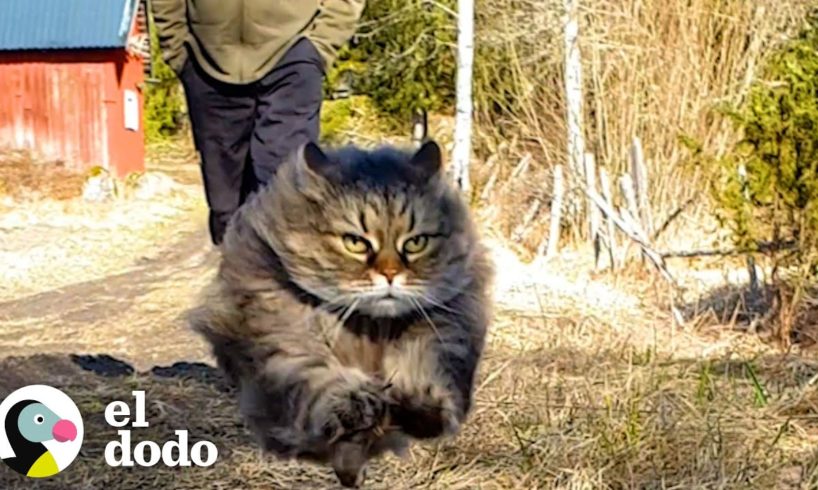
(415, 245)
(355, 244)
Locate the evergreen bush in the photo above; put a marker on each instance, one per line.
(403, 56)
(768, 185)
(164, 98)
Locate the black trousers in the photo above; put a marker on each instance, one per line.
(244, 132)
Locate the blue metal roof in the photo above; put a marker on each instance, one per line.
(65, 24)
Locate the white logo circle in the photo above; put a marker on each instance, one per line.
(41, 431)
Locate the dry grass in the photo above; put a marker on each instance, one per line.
(584, 384)
(58, 239)
(586, 381)
(25, 178)
(581, 387)
(653, 69)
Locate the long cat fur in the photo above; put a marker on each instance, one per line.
(326, 368)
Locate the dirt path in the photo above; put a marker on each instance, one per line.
(123, 314)
(107, 277)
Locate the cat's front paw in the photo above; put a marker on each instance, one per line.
(349, 463)
(423, 413)
(346, 409)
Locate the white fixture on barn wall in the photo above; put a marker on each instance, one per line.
(131, 104)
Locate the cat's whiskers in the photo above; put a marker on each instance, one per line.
(421, 285)
(418, 291)
(452, 291)
(326, 307)
(437, 304)
(448, 286)
(422, 311)
(350, 309)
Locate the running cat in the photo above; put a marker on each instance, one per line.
(351, 306)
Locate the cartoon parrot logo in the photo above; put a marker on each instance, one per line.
(35, 435)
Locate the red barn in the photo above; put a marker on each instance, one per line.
(71, 81)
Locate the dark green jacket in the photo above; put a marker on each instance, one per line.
(239, 41)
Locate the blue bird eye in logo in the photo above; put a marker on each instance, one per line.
(41, 431)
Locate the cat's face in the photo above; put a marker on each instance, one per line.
(384, 246)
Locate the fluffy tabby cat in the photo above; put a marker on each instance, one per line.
(351, 306)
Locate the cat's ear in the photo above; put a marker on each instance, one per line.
(427, 161)
(316, 160)
(314, 167)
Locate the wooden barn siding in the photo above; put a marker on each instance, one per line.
(127, 148)
(68, 106)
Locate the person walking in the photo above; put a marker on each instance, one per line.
(253, 72)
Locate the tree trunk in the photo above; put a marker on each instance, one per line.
(573, 96)
(463, 122)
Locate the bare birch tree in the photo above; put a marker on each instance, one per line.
(573, 95)
(465, 56)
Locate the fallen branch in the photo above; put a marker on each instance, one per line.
(672, 217)
(763, 247)
(523, 227)
(632, 229)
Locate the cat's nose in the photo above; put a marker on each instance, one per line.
(389, 274)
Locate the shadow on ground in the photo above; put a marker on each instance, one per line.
(93, 382)
(183, 396)
(536, 423)
(757, 310)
